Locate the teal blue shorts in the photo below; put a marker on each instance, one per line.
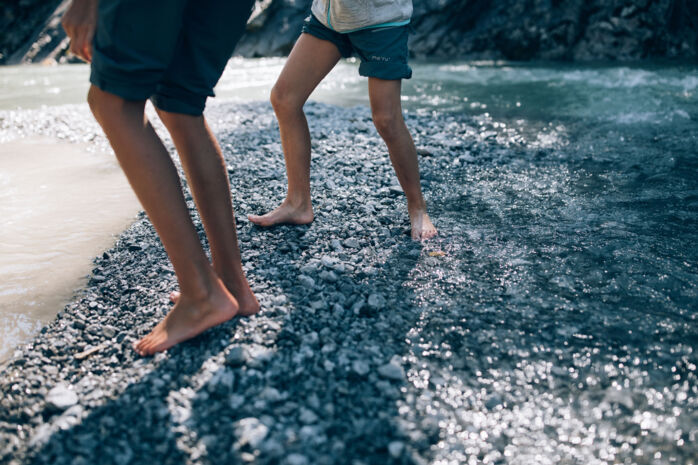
(382, 50)
(171, 51)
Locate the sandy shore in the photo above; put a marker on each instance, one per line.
(489, 344)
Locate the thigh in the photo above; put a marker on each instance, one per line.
(307, 64)
(384, 96)
(210, 31)
(134, 44)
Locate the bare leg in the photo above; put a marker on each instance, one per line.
(387, 117)
(309, 62)
(205, 301)
(205, 169)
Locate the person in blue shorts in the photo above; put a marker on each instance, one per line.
(173, 53)
(376, 31)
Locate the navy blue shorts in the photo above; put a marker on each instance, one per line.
(171, 51)
(382, 50)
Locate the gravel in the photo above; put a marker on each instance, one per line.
(529, 331)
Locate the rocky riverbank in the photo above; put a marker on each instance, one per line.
(528, 332)
(575, 30)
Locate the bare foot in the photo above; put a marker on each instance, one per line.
(422, 229)
(247, 301)
(189, 318)
(286, 213)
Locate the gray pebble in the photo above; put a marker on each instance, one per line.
(392, 371)
(61, 397)
(236, 356)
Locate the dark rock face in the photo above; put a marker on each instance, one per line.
(579, 30)
(556, 30)
(515, 29)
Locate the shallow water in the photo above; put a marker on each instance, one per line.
(62, 204)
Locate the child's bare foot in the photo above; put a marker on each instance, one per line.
(189, 318)
(422, 228)
(247, 301)
(286, 213)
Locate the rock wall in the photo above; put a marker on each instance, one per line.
(570, 30)
(31, 30)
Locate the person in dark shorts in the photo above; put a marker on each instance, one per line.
(376, 31)
(173, 53)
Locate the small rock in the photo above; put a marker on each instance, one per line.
(94, 329)
(376, 301)
(395, 190)
(61, 397)
(307, 281)
(360, 367)
(236, 357)
(493, 401)
(336, 245)
(395, 448)
(311, 339)
(329, 276)
(221, 381)
(250, 431)
(307, 417)
(296, 459)
(352, 243)
(271, 394)
(392, 371)
(109, 331)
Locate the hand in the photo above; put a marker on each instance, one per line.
(80, 22)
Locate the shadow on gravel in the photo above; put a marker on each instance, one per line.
(317, 396)
(140, 425)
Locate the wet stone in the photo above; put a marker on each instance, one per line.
(352, 243)
(307, 417)
(61, 397)
(296, 459)
(360, 367)
(392, 371)
(395, 449)
(376, 301)
(109, 331)
(306, 281)
(250, 431)
(236, 356)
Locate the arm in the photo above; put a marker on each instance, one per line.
(80, 22)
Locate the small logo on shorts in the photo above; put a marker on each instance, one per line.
(378, 58)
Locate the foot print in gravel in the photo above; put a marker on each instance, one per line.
(187, 319)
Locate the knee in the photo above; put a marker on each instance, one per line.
(179, 122)
(284, 101)
(387, 123)
(106, 106)
(95, 99)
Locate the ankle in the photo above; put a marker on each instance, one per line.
(201, 287)
(416, 205)
(299, 202)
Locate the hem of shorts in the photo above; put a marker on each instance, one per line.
(121, 90)
(377, 70)
(171, 105)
